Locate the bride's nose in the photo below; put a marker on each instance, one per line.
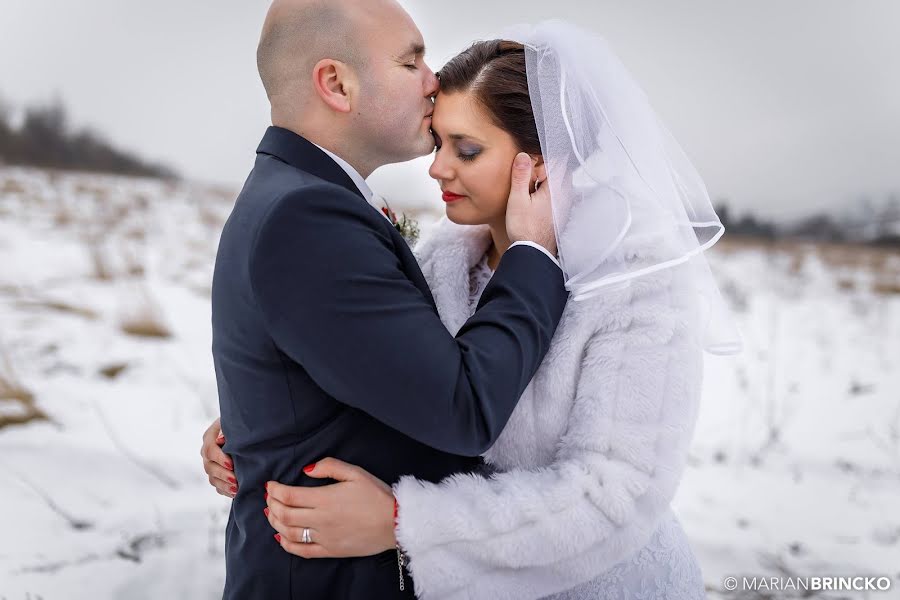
(439, 169)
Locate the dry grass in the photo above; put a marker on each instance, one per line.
(143, 317)
(12, 186)
(114, 370)
(59, 306)
(102, 269)
(12, 390)
(63, 216)
(211, 217)
(132, 264)
(34, 414)
(136, 234)
(147, 327)
(141, 202)
(883, 263)
(98, 191)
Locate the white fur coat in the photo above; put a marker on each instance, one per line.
(591, 456)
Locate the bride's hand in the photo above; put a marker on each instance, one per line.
(217, 464)
(353, 517)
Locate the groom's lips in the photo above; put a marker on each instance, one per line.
(451, 197)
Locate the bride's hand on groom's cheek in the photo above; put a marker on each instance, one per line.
(353, 517)
(217, 464)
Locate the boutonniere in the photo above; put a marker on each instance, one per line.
(407, 226)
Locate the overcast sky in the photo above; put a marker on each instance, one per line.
(784, 107)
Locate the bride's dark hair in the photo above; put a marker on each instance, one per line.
(494, 72)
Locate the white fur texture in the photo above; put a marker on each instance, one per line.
(590, 458)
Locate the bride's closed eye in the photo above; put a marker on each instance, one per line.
(468, 155)
(467, 151)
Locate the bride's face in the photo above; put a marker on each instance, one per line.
(472, 162)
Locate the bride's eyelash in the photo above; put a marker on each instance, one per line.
(468, 157)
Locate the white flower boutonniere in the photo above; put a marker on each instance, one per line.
(407, 226)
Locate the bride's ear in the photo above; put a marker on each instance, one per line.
(539, 172)
(333, 82)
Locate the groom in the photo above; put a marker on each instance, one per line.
(326, 339)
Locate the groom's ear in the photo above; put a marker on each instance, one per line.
(334, 82)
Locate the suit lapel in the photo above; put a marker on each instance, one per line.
(302, 154)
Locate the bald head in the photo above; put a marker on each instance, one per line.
(297, 34)
(336, 67)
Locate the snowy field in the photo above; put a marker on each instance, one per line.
(106, 384)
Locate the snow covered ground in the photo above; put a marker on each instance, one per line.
(106, 385)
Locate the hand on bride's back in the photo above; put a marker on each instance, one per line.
(529, 217)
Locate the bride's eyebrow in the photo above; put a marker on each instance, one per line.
(463, 137)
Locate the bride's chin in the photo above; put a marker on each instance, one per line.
(455, 216)
(461, 217)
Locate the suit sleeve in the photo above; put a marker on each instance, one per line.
(335, 299)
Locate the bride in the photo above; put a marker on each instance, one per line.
(575, 498)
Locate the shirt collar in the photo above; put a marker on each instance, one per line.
(364, 188)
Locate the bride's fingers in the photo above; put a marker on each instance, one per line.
(290, 516)
(211, 451)
(224, 484)
(305, 550)
(217, 471)
(295, 495)
(291, 539)
(288, 532)
(223, 487)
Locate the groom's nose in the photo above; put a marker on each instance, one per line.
(432, 83)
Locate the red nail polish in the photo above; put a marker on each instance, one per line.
(278, 537)
(309, 468)
(232, 480)
(266, 511)
(266, 497)
(267, 486)
(234, 489)
(229, 465)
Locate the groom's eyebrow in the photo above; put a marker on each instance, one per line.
(416, 49)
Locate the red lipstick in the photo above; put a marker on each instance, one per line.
(451, 197)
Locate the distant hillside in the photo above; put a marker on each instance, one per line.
(43, 138)
(875, 222)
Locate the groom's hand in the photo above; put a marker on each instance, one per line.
(353, 517)
(529, 217)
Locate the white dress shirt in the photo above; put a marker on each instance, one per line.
(369, 195)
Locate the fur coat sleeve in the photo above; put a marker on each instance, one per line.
(528, 533)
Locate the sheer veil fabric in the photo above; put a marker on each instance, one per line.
(626, 199)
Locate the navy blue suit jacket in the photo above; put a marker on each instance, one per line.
(327, 342)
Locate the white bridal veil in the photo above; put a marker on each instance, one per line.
(618, 179)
